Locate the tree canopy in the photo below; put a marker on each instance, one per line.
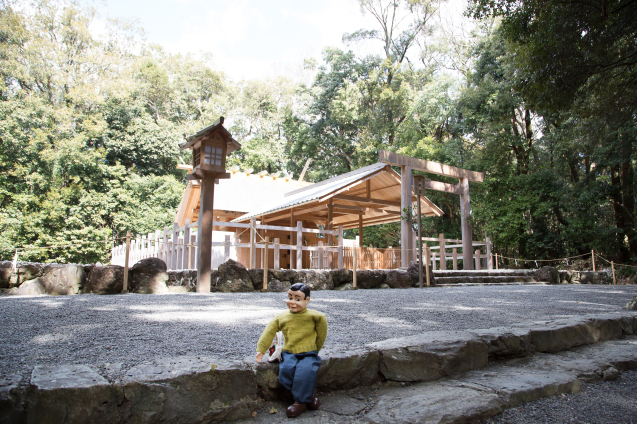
(540, 96)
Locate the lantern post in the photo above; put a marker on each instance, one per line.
(210, 147)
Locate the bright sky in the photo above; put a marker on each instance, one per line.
(247, 38)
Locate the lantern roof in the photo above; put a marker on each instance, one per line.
(204, 133)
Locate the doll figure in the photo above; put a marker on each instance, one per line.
(304, 331)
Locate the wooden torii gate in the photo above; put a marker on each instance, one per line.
(407, 164)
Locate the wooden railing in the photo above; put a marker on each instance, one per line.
(178, 246)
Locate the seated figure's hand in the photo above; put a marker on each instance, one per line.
(259, 356)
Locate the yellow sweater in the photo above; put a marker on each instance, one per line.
(303, 331)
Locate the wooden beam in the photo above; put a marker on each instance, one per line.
(371, 221)
(368, 188)
(362, 209)
(436, 168)
(307, 164)
(367, 200)
(355, 183)
(445, 187)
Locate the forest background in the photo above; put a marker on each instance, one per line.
(540, 96)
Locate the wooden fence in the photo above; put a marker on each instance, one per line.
(178, 246)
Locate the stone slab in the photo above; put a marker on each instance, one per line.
(342, 405)
(189, 390)
(433, 403)
(71, 394)
(12, 396)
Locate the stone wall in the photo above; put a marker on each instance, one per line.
(151, 276)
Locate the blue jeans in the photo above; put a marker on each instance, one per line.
(297, 373)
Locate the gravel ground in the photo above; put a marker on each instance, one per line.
(608, 402)
(130, 329)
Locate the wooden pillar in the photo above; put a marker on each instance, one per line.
(340, 247)
(185, 262)
(405, 224)
(175, 246)
(226, 249)
(443, 256)
(360, 230)
(277, 253)
(125, 287)
(433, 261)
(455, 259)
(292, 237)
(265, 263)
(489, 260)
(299, 245)
(427, 258)
(465, 222)
(320, 255)
(478, 259)
(192, 259)
(330, 237)
(204, 233)
(420, 261)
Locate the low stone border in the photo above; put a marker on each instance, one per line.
(201, 389)
(150, 276)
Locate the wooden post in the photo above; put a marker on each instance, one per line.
(320, 255)
(497, 266)
(277, 253)
(185, 257)
(593, 256)
(192, 260)
(433, 261)
(420, 258)
(455, 258)
(477, 259)
(265, 263)
(330, 237)
(292, 239)
(354, 249)
(299, 245)
(443, 256)
(340, 247)
(405, 223)
(360, 230)
(226, 248)
(427, 258)
(125, 288)
(465, 222)
(175, 246)
(253, 231)
(157, 244)
(489, 258)
(204, 233)
(612, 264)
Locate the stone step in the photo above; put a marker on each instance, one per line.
(506, 283)
(485, 273)
(482, 279)
(451, 366)
(472, 396)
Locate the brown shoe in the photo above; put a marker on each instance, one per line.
(315, 404)
(295, 409)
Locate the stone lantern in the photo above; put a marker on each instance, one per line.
(210, 146)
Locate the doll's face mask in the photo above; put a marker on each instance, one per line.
(296, 301)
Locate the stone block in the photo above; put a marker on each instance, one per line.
(315, 279)
(6, 269)
(341, 276)
(71, 394)
(370, 278)
(189, 389)
(29, 288)
(506, 342)
(433, 403)
(62, 279)
(596, 277)
(149, 276)
(184, 281)
(12, 396)
(547, 274)
(234, 277)
(107, 279)
(399, 279)
(348, 369)
(431, 356)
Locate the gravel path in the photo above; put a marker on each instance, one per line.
(129, 329)
(608, 402)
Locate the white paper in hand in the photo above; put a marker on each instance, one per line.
(274, 352)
